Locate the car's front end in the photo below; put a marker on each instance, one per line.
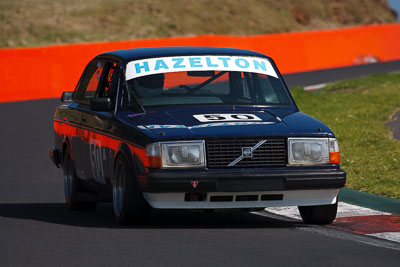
(239, 164)
(227, 134)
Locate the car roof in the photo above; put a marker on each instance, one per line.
(127, 55)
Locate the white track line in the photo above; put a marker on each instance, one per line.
(314, 87)
(392, 236)
(344, 210)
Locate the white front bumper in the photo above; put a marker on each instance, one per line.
(290, 198)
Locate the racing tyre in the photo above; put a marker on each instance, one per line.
(130, 207)
(72, 188)
(323, 214)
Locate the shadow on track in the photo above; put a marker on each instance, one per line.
(57, 213)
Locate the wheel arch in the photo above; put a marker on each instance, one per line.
(125, 151)
(135, 163)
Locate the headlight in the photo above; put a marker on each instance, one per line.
(312, 151)
(185, 154)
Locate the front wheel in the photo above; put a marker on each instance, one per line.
(322, 214)
(128, 202)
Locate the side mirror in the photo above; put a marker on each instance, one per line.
(66, 96)
(101, 104)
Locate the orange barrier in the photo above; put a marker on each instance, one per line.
(44, 72)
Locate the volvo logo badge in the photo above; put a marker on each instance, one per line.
(247, 152)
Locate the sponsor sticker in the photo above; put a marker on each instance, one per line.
(143, 67)
(97, 158)
(226, 117)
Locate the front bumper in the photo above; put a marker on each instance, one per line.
(241, 180)
(241, 200)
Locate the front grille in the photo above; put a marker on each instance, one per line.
(220, 153)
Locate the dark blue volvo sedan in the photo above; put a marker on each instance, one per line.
(194, 128)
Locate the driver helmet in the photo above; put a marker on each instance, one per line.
(150, 85)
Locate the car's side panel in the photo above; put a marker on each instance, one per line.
(95, 145)
(95, 138)
(99, 147)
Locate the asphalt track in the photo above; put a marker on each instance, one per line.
(36, 229)
(343, 73)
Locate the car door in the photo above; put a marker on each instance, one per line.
(86, 89)
(99, 125)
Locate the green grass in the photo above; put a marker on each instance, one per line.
(46, 22)
(357, 110)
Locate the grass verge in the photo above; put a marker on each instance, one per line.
(44, 22)
(357, 110)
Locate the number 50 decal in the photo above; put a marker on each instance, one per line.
(97, 155)
(226, 117)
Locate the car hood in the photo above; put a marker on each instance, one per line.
(220, 122)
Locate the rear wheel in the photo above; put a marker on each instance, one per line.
(128, 202)
(72, 188)
(322, 214)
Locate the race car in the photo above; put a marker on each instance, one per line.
(194, 128)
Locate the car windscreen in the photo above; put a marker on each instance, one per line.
(205, 83)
